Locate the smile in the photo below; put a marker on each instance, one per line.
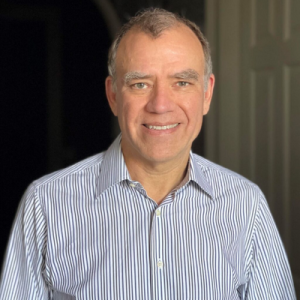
(162, 127)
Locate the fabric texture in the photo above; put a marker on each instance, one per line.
(92, 232)
(62, 296)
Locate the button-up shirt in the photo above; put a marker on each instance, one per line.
(90, 232)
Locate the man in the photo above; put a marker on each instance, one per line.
(148, 219)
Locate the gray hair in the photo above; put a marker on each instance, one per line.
(154, 21)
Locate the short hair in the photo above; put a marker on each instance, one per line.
(154, 21)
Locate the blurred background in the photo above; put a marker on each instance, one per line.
(54, 112)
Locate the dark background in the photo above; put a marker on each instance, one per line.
(53, 108)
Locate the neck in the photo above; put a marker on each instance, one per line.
(157, 179)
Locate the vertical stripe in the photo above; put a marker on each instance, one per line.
(91, 232)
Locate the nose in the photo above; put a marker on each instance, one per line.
(160, 100)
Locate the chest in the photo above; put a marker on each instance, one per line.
(145, 252)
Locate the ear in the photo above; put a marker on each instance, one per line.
(208, 94)
(111, 95)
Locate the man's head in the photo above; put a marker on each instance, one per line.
(154, 21)
(160, 86)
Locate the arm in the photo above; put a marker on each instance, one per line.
(270, 276)
(24, 263)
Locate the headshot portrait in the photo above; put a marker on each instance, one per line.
(163, 167)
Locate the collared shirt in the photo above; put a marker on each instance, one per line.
(90, 232)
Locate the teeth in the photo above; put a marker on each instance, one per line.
(162, 127)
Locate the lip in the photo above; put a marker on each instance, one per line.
(162, 130)
(161, 127)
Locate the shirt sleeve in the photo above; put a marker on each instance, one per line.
(23, 267)
(270, 276)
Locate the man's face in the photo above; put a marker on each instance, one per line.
(159, 95)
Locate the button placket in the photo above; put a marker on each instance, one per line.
(159, 234)
(159, 253)
(156, 252)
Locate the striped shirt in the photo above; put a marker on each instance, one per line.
(90, 232)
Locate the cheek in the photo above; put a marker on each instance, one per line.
(129, 113)
(194, 110)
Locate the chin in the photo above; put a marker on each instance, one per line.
(161, 156)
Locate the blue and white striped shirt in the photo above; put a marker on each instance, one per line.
(91, 232)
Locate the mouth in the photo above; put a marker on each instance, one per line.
(165, 127)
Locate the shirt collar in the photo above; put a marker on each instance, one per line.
(114, 170)
(197, 174)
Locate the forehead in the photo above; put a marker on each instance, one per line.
(178, 44)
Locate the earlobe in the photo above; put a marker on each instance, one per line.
(111, 95)
(208, 93)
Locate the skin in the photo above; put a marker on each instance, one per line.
(159, 82)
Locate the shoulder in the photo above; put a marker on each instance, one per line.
(88, 167)
(225, 182)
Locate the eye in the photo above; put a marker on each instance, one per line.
(139, 85)
(183, 83)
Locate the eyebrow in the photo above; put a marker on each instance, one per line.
(187, 74)
(129, 76)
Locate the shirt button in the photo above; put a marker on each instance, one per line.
(132, 185)
(158, 212)
(160, 264)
